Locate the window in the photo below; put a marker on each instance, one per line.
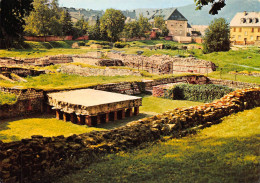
(252, 30)
(240, 29)
(234, 29)
(239, 37)
(258, 29)
(252, 38)
(245, 33)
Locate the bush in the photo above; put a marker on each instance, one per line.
(201, 93)
(120, 45)
(167, 46)
(174, 47)
(81, 43)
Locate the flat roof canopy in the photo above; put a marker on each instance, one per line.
(91, 102)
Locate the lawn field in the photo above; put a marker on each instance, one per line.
(226, 153)
(48, 126)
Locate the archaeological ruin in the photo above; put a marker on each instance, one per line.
(92, 107)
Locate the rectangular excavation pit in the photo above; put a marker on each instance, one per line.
(93, 107)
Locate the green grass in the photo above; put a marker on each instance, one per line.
(65, 81)
(17, 129)
(225, 60)
(7, 98)
(241, 78)
(226, 153)
(159, 105)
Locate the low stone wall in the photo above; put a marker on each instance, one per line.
(21, 71)
(27, 159)
(29, 101)
(88, 71)
(233, 84)
(164, 64)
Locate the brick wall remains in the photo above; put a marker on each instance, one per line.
(30, 158)
(164, 64)
(29, 101)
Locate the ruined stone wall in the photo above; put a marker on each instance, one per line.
(164, 64)
(29, 101)
(88, 71)
(21, 71)
(23, 160)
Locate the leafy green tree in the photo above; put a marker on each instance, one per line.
(42, 20)
(12, 13)
(66, 23)
(144, 24)
(217, 36)
(81, 27)
(131, 30)
(159, 22)
(217, 5)
(112, 23)
(94, 31)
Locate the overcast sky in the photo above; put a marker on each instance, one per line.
(123, 4)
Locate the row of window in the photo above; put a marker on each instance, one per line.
(239, 37)
(252, 29)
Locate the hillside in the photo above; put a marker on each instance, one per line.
(195, 17)
(201, 17)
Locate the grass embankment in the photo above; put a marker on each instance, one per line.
(227, 152)
(7, 98)
(46, 125)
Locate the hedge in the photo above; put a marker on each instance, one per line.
(201, 93)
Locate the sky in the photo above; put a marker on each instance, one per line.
(123, 4)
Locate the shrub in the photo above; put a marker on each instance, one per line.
(120, 45)
(201, 93)
(7, 98)
(81, 43)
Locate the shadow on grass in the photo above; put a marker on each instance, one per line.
(119, 123)
(180, 160)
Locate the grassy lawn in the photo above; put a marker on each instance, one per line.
(7, 98)
(17, 129)
(47, 125)
(226, 153)
(159, 105)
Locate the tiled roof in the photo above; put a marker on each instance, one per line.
(167, 14)
(246, 19)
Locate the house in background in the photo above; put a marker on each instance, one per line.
(245, 28)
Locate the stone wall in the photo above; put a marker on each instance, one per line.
(29, 101)
(164, 64)
(88, 71)
(21, 71)
(30, 158)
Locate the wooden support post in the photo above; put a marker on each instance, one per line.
(130, 112)
(73, 118)
(65, 117)
(123, 113)
(88, 120)
(59, 114)
(78, 119)
(136, 110)
(98, 119)
(107, 117)
(115, 115)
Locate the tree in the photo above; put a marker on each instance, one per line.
(66, 23)
(217, 36)
(45, 19)
(144, 24)
(216, 5)
(81, 27)
(112, 23)
(94, 31)
(12, 13)
(131, 30)
(159, 22)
